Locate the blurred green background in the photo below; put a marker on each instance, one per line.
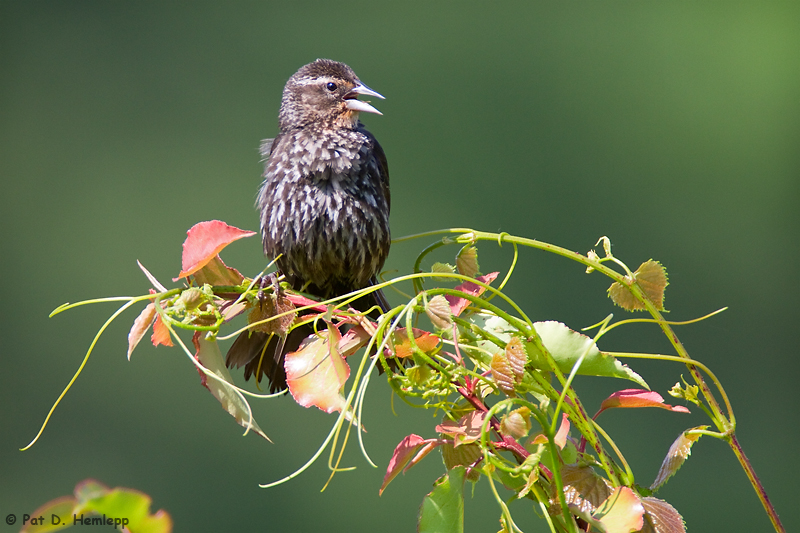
(673, 128)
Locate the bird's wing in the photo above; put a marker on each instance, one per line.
(383, 169)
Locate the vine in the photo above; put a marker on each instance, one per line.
(502, 382)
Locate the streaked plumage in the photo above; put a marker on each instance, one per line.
(324, 202)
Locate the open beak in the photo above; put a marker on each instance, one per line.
(352, 102)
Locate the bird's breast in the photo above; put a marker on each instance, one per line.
(324, 210)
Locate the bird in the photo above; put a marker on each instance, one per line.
(324, 205)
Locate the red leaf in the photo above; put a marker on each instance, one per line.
(160, 333)
(301, 301)
(427, 342)
(457, 305)
(633, 398)
(204, 241)
(401, 456)
(430, 444)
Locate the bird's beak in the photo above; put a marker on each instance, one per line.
(352, 102)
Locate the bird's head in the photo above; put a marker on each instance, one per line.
(324, 92)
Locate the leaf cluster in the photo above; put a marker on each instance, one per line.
(501, 382)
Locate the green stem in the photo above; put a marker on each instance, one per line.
(468, 235)
(725, 425)
(755, 482)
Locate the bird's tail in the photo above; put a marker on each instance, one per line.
(263, 354)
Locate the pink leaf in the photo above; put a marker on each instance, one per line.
(457, 305)
(401, 456)
(317, 372)
(204, 241)
(563, 430)
(151, 278)
(560, 438)
(140, 327)
(466, 430)
(355, 338)
(633, 398)
(622, 512)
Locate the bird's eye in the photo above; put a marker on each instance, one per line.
(331, 86)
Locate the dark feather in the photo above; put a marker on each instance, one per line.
(324, 206)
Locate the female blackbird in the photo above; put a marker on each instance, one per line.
(324, 204)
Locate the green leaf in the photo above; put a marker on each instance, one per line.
(55, 515)
(442, 268)
(467, 261)
(121, 504)
(651, 277)
(443, 509)
(95, 504)
(566, 347)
